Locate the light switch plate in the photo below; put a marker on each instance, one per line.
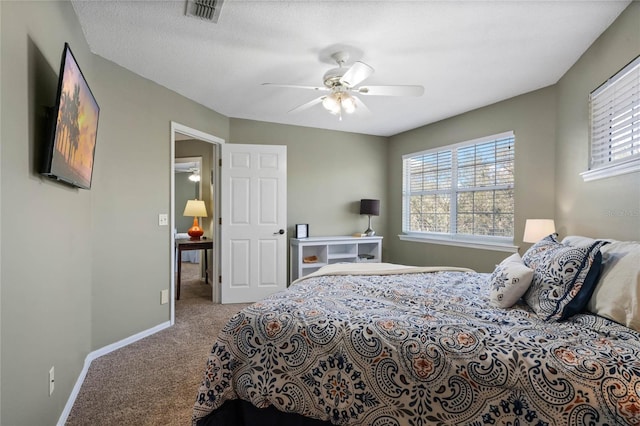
(163, 219)
(51, 380)
(164, 297)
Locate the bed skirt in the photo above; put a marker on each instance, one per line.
(238, 412)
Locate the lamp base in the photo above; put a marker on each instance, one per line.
(369, 232)
(195, 232)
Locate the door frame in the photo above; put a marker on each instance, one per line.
(215, 267)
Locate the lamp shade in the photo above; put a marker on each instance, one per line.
(195, 208)
(537, 229)
(370, 207)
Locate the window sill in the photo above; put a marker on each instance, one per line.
(461, 242)
(630, 166)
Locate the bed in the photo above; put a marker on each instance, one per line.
(549, 338)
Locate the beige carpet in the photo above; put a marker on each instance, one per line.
(154, 380)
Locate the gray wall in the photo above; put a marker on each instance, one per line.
(328, 172)
(46, 227)
(608, 207)
(532, 118)
(0, 228)
(132, 186)
(85, 272)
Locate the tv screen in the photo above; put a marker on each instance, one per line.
(70, 149)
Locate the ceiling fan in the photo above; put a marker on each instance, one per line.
(342, 85)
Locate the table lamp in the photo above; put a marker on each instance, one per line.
(195, 208)
(537, 229)
(370, 208)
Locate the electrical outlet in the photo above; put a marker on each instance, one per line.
(164, 297)
(163, 219)
(52, 381)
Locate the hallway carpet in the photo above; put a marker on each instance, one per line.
(154, 381)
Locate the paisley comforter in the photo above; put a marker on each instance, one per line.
(418, 349)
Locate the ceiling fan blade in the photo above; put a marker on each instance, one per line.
(295, 86)
(355, 75)
(307, 105)
(390, 90)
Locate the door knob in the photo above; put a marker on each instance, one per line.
(280, 232)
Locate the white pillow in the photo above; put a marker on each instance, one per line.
(617, 294)
(509, 281)
(515, 257)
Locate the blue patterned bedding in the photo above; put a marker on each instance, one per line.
(421, 349)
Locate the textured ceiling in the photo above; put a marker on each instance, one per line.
(466, 54)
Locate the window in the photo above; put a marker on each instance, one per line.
(462, 191)
(614, 110)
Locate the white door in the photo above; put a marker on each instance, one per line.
(253, 209)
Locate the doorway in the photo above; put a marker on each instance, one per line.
(188, 184)
(208, 145)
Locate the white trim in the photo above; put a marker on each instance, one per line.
(97, 354)
(612, 170)
(459, 242)
(195, 134)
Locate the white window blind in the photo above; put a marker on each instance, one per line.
(462, 189)
(615, 122)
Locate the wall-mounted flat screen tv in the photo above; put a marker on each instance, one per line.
(70, 147)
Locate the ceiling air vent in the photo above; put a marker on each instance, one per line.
(209, 10)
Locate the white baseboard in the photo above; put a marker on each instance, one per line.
(97, 354)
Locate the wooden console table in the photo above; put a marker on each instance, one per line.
(186, 244)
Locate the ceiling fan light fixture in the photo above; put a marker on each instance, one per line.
(338, 102)
(194, 177)
(348, 103)
(332, 103)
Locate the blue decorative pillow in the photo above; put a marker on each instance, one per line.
(564, 277)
